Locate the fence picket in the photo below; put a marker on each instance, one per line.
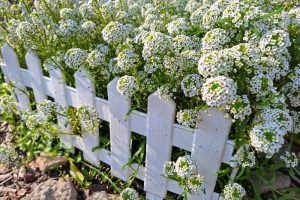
(59, 91)
(160, 120)
(208, 148)
(13, 74)
(120, 131)
(35, 70)
(86, 93)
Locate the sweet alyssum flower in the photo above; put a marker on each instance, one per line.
(191, 85)
(129, 194)
(267, 138)
(88, 117)
(185, 173)
(75, 58)
(234, 191)
(8, 155)
(219, 91)
(188, 117)
(127, 85)
(290, 159)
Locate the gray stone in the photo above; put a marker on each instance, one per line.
(98, 196)
(282, 181)
(47, 162)
(51, 189)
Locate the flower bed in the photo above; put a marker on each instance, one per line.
(240, 57)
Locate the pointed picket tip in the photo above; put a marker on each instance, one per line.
(155, 98)
(6, 48)
(9, 54)
(32, 59)
(112, 85)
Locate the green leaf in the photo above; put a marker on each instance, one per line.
(75, 173)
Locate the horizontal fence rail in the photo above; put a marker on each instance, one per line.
(209, 144)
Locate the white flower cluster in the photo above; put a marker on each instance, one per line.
(166, 91)
(7, 105)
(127, 85)
(215, 39)
(290, 159)
(188, 117)
(8, 155)
(191, 85)
(241, 108)
(215, 63)
(115, 32)
(34, 120)
(48, 109)
(244, 157)
(184, 171)
(127, 59)
(88, 117)
(155, 43)
(274, 42)
(267, 138)
(234, 191)
(219, 91)
(129, 194)
(75, 58)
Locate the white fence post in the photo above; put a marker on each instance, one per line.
(86, 96)
(13, 73)
(208, 147)
(35, 70)
(120, 132)
(160, 120)
(59, 91)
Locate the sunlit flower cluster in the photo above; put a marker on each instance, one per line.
(129, 194)
(234, 191)
(185, 172)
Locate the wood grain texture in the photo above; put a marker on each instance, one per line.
(120, 131)
(36, 72)
(208, 146)
(86, 96)
(160, 120)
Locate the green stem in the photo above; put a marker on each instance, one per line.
(104, 176)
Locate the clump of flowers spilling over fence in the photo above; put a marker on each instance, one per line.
(239, 56)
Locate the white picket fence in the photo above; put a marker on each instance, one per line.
(209, 144)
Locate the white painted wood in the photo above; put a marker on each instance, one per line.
(120, 133)
(208, 146)
(150, 196)
(85, 94)
(58, 86)
(161, 115)
(35, 70)
(13, 74)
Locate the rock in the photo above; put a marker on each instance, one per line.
(113, 197)
(21, 174)
(61, 189)
(4, 170)
(30, 176)
(98, 196)
(47, 162)
(8, 189)
(282, 181)
(4, 177)
(22, 192)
